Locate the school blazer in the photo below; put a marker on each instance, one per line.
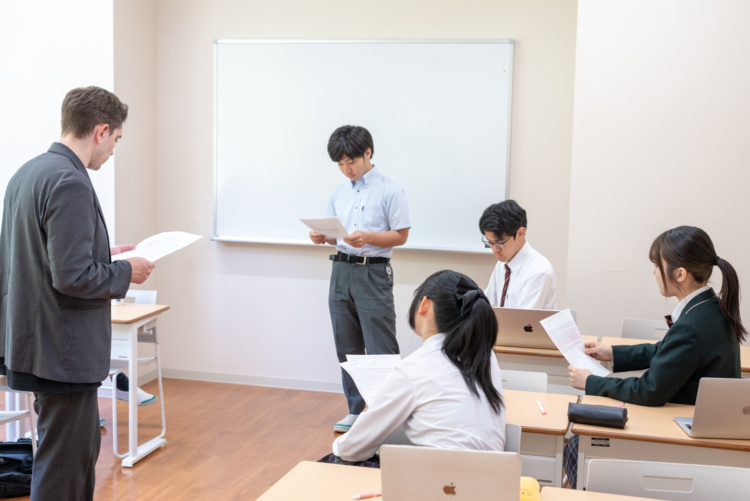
(701, 343)
(56, 274)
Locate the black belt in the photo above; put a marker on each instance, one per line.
(363, 260)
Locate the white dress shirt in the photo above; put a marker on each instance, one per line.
(531, 285)
(371, 203)
(428, 396)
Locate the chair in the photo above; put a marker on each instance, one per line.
(120, 353)
(524, 381)
(9, 416)
(512, 438)
(634, 328)
(670, 481)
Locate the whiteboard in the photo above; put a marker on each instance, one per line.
(439, 113)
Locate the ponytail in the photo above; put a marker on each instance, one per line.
(464, 314)
(729, 300)
(691, 248)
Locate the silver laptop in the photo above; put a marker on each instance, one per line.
(722, 410)
(427, 474)
(521, 328)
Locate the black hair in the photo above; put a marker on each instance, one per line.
(350, 140)
(464, 314)
(691, 248)
(504, 218)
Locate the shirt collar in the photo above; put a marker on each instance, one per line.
(521, 256)
(434, 342)
(367, 178)
(681, 305)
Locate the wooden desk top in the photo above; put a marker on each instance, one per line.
(654, 424)
(615, 341)
(129, 313)
(538, 352)
(310, 481)
(521, 408)
(558, 494)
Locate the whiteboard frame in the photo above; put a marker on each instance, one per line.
(306, 242)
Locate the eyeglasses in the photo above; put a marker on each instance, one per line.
(499, 245)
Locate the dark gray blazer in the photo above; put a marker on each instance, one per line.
(701, 343)
(56, 274)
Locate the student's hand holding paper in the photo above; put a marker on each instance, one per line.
(598, 351)
(317, 238)
(357, 239)
(578, 377)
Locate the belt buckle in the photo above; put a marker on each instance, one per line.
(364, 261)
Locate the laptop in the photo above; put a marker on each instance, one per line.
(722, 410)
(521, 328)
(430, 474)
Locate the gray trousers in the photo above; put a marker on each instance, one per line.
(360, 300)
(69, 442)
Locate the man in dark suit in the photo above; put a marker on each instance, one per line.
(56, 282)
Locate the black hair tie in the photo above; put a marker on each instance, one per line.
(716, 261)
(467, 299)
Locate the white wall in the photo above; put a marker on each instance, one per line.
(661, 139)
(41, 59)
(258, 313)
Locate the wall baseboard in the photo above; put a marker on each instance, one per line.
(215, 377)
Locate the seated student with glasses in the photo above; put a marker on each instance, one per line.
(703, 340)
(448, 393)
(522, 278)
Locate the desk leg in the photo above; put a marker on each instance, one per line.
(133, 395)
(582, 444)
(560, 444)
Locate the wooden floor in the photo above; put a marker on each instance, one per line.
(224, 441)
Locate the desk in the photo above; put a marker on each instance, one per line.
(310, 481)
(652, 435)
(542, 436)
(131, 324)
(550, 362)
(618, 341)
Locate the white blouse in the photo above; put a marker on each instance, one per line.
(428, 396)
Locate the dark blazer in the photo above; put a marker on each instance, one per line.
(701, 343)
(56, 274)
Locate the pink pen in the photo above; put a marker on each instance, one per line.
(621, 404)
(541, 408)
(368, 495)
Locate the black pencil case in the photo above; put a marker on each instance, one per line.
(598, 415)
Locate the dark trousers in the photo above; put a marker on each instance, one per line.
(360, 299)
(69, 442)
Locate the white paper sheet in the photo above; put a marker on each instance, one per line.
(369, 371)
(563, 331)
(329, 226)
(160, 245)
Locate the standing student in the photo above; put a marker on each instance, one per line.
(448, 393)
(704, 336)
(56, 283)
(374, 211)
(522, 278)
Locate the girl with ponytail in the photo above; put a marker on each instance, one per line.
(703, 340)
(448, 393)
(704, 334)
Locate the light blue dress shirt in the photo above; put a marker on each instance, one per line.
(371, 203)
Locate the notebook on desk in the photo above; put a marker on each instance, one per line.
(722, 410)
(521, 328)
(429, 474)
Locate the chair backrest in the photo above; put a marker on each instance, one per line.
(524, 381)
(634, 328)
(670, 481)
(512, 438)
(142, 296)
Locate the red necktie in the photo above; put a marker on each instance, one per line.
(668, 318)
(505, 285)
